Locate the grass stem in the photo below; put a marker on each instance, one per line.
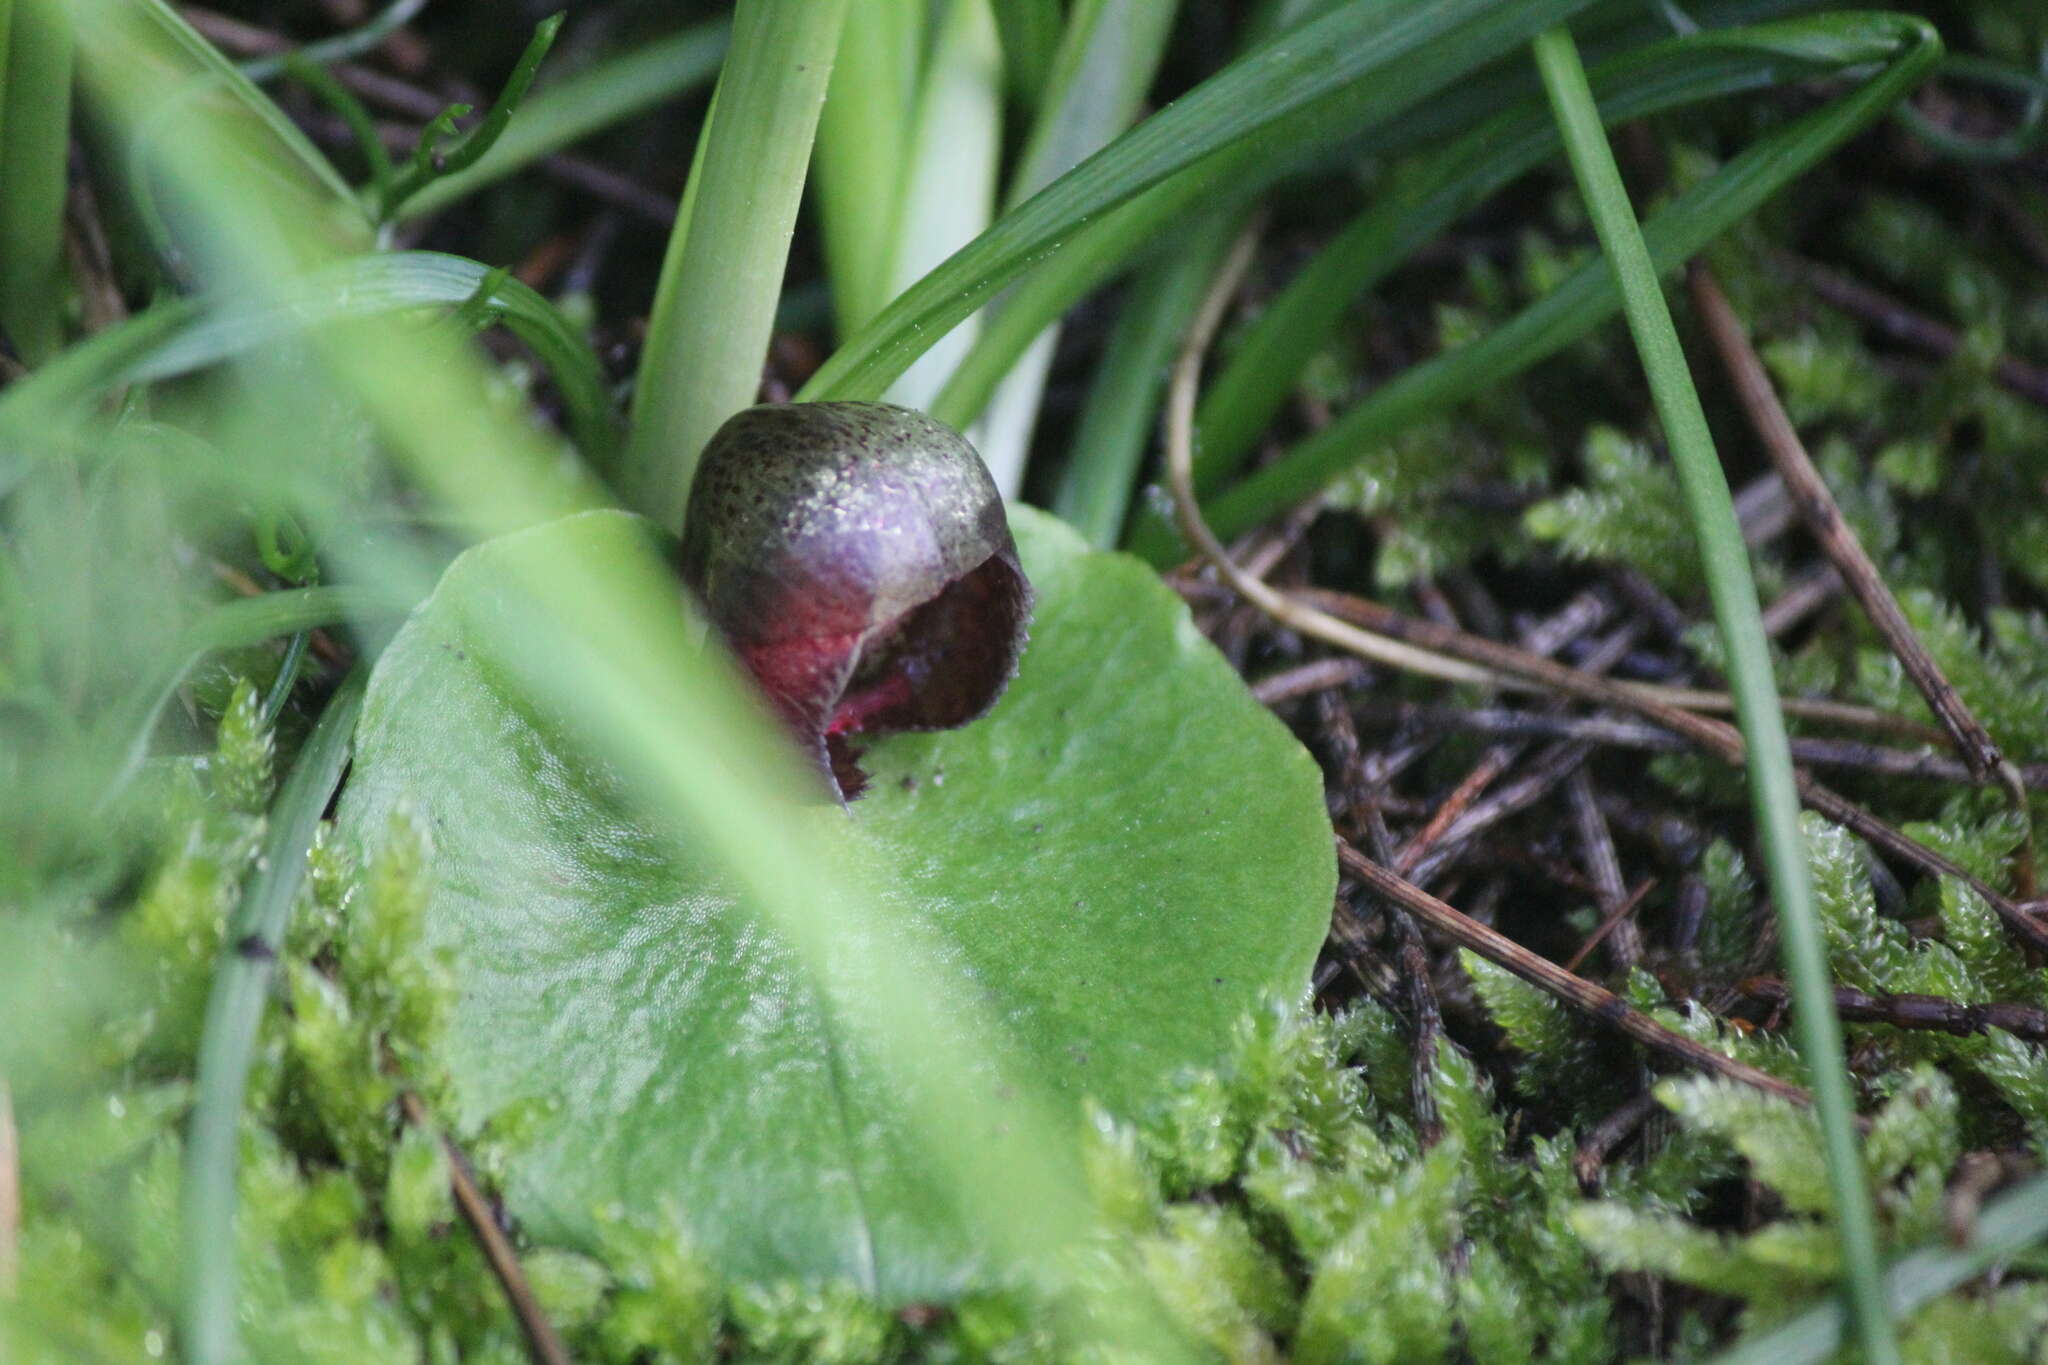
(234, 1013)
(715, 305)
(1773, 792)
(35, 151)
(568, 110)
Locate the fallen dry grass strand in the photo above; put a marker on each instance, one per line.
(542, 1341)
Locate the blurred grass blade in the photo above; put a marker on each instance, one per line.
(1774, 796)
(715, 306)
(364, 37)
(234, 1012)
(1030, 31)
(948, 190)
(131, 724)
(608, 651)
(1107, 61)
(1369, 59)
(1442, 185)
(1331, 129)
(35, 156)
(1108, 55)
(641, 78)
(1228, 181)
(6, 41)
(2015, 142)
(2015, 1221)
(863, 144)
(1122, 408)
(186, 335)
(1583, 301)
(213, 71)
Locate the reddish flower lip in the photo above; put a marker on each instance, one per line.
(857, 559)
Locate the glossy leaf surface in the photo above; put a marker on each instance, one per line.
(1123, 856)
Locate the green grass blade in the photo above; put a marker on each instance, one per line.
(6, 42)
(186, 335)
(948, 192)
(719, 285)
(35, 151)
(1106, 246)
(1107, 61)
(1107, 58)
(571, 109)
(1907, 46)
(1122, 408)
(1444, 184)
(1369, 60)
(1774, 795)
(234, 1012)
(864, 139)
(231, 625)
(431, 161)
(206, 66)
(364, 37)
(1226, 181)
(1030, 32)
(2012, 1223)
(2015, 142)
(328, 88)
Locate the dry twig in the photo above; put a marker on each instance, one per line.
(1717, 737)
(1624, 906)
(1616, 732)
(1896, 321)
(1603, 867)
(1581, 994)
(1604, 1137)
(541, 1339)
(1933, 1013)
(1823, 518)
(1602, 1004)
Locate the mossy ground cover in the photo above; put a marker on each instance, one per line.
(1422, 1157)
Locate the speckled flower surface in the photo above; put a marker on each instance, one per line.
(857, 558)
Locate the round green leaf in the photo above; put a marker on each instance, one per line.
(1120, 859)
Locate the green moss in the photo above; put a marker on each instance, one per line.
(1629, 510)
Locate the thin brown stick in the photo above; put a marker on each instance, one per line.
(1490, 766)
(1452, 654)
(1719, 738)
(1616, 732)
(1461, 815)
(1523, 670)
(1933, 1013)
(1324, 614)
(1429, 1030)
(1581, 994)
(1624, 906)
(1320, 675)
(1186, 376)
(1542, 775)
(1603, 867)
(1808, 594)
(1823, 517)
(541, 1339)
(1609, 1133)
(1896, 321)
